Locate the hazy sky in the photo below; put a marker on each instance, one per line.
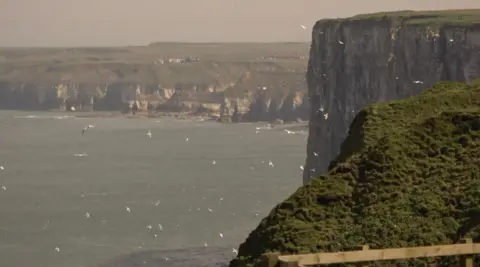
(138, 22)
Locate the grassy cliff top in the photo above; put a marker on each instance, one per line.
(408, 175)
(460, 17)
(219, 63)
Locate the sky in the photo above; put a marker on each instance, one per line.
(140, 22)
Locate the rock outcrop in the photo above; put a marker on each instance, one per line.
(408, 175)
(261, 106)
(380, 57)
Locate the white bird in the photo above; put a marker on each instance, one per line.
(418, 82)
(91, 126)
(209, 209)
(303, 27)
(214, 162)
(127, 209)
(57, 249)
(87, 215)
(160, 227)
(4, 188)
(221, 235)
(325, 116)
(315, 154)
(391, 56)
(289, 132)
(205, 244)
(149, 134)
(321, 109)
(301, 168)
(186, 139)
(149, 227)
(270, 163)
(2, 168)
(340, 42)
(158, 203)
(235, 251)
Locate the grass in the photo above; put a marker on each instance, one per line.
(408, 175)
(220, 63)
(460, 17)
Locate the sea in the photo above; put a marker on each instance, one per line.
(137, 191)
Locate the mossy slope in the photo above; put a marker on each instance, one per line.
(410, 176)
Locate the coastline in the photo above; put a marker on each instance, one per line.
(184, 116)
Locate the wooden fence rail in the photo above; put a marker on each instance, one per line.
(361, 257)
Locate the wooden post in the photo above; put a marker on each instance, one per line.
(269, 259)
(289, 264)
(363, 264)
(466, 260)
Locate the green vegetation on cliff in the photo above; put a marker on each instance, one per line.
(460, 17)
(408, 175)
(212, 64)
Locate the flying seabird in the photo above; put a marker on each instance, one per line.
(270, 163)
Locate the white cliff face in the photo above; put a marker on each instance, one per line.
(263, 107)
(355, 63)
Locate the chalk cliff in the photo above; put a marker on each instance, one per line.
(380, 57)
(260, 81)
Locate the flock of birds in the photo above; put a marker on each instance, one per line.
(149, 135)
(87, 215)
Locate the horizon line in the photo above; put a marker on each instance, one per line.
(159, 43)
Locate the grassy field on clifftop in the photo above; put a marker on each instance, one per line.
(438, 17)
(218, 64)
(409, 176)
